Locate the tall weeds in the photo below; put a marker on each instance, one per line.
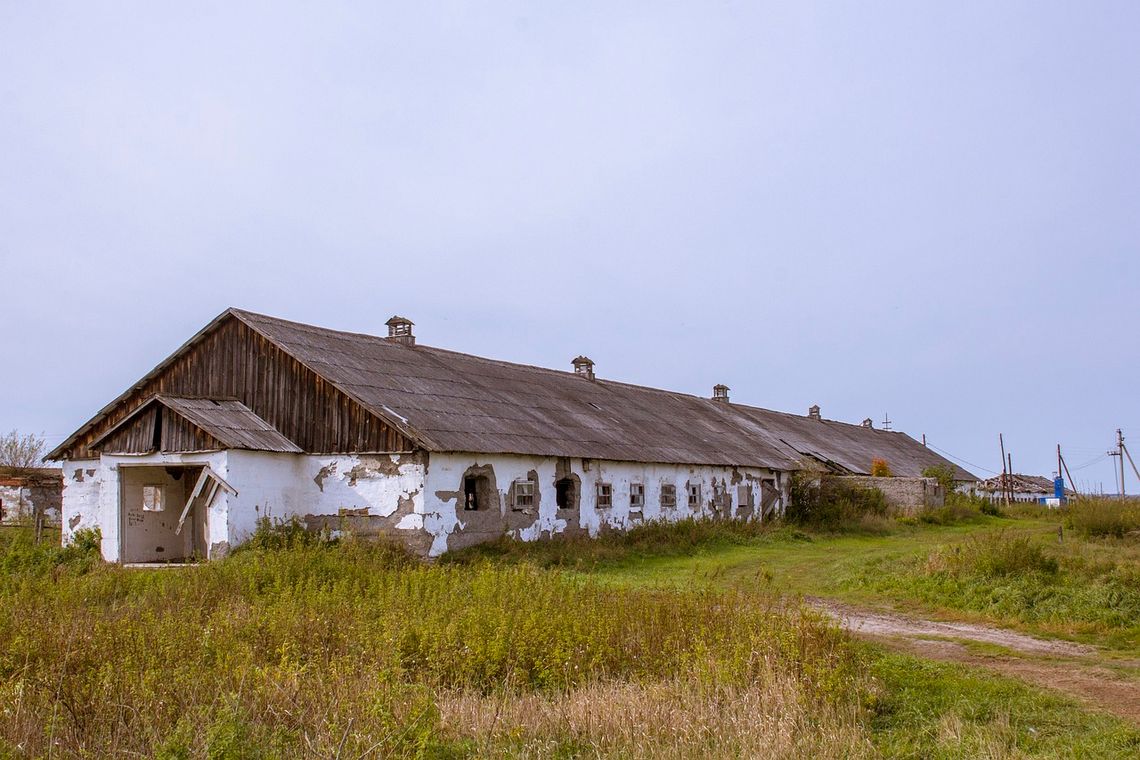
(356, 650)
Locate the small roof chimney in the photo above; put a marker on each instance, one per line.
(813, 412)
(867, 423)
(400, 330)
(584, 365)
(720, 392)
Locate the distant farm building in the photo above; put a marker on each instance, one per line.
(30, 494)
(1033, 489)
(258, 417)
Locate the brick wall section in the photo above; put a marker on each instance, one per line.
(907, 495)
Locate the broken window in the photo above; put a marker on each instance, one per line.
(470, 494)
(605, 496)
(720, 496)
(524, 494)
(636, 497)
(694, 494)
(152, 499)
(668, 495)
(565, 494)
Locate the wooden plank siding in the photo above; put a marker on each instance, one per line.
(234, 361)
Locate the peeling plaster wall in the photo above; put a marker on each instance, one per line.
(365, 494)
(452, 527)
(81, 493)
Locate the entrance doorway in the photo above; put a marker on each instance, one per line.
(152, 526)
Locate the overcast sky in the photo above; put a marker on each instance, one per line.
(926, 210)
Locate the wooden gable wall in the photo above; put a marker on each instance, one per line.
(234, 361)
(175, 434)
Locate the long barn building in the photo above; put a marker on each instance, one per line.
(257, 417)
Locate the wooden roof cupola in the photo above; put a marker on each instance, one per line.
(584, 366)
(400, 330)
(720, 392)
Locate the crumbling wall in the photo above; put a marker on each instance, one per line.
(905, 495)
(451, 527)
(24, 493)
(365, 494)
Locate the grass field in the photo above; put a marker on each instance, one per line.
(672, 641)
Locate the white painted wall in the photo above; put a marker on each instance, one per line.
(401, 488)
(444, 514)
(267, 485)
(288, 485)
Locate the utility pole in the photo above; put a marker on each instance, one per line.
(1010, 455)
(1065, 465)
(1119, 453)
(1129, 455)
(1004, 473)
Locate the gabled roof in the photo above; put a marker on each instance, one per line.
(230, 422)
(448, 401)
(457, 402)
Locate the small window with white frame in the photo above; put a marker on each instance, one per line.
(605, 495)
(694, 494)
(636, 497)
(153, 498)
(668, 495)
(524, 494)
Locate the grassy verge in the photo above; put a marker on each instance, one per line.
(939, 710)
(1087, 589)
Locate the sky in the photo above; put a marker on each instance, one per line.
(924, 210)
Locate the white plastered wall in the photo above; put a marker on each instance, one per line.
(444, 516)
(281, 486)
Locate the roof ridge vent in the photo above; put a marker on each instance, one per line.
(813, 412)
(584, 366)
(720, 392)
(400, 330)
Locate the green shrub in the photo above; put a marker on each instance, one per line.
(944, 474)
(831, 503)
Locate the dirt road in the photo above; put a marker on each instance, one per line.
(1078, 670)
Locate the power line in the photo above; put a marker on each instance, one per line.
(963, 461)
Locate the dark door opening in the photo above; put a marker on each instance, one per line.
(564, 493)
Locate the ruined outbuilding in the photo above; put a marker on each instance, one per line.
(30, 495)
(260, 417)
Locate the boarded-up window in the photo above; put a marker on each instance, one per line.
(744, 495)
(636, 497)
(153, 499)
(524, 493)
(668, 495)
(605, 496)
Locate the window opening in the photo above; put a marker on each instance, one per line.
(605, 496)
(524, 493)
(470, 494)
(694, 494)
(668, 495)
(152, 499)
(636, 497)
